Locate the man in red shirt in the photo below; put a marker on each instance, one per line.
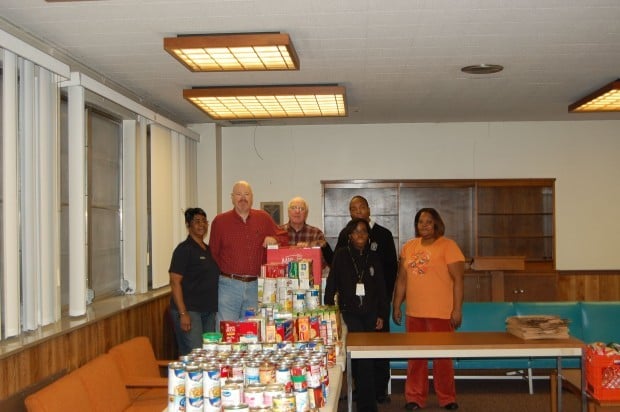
(238, 243)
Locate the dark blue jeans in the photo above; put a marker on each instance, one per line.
(201, 322)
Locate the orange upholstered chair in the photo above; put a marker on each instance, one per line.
(97, 386)
(67, 394)
(140, 369)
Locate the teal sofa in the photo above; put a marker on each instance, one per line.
(588, 321)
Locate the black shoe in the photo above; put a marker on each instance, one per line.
(451, 406)
(384, 399)
(412, 406)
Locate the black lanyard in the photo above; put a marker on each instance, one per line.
(360, 274)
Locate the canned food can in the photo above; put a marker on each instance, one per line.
(232, 395)
(315, 398)
(254, 395)
(299, 382)
(176, 379)
(266, 373)
(298, 369)
(176, 403)
(301, 400)
(236, 370)
(211, 385)
(252, 373)
(314, 374)
(185, 359)
(283, 376)
(194, 404)
(225, 373)
(193, 381)
(283, 403)
(271, 391)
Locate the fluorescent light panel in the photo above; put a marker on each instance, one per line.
(269, 102)
(234, 52)
(605, 99)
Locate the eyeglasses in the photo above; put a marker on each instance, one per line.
(199, 221)
(298, 208)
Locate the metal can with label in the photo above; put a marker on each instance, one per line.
(301, 401)
(271, 391)
(283, 376)
(252, 373)
(299, 382)
(283, 403)
(314, 375)
(315, 398)
(232, 394)
(176, 403)
(267, 373)
(211, 385)
(176, 379)
(254, 395)
(193, 381)
(237, 370)
(194, 404)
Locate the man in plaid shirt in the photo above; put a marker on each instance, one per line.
(302, 234)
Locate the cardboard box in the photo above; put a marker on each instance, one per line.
(287, 254)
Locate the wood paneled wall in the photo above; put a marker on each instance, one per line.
(66, 352)
(589, 285)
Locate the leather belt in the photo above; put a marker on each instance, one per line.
(239, 277)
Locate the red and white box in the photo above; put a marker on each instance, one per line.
(288, 254)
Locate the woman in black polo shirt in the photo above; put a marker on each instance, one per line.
(194, 279)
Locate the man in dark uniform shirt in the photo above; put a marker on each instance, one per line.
(382, 242)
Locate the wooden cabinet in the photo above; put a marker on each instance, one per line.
(486, 217)
(515, 218)
(477, 287)
(530, 287)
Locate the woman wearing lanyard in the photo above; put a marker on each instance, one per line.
(356, 276)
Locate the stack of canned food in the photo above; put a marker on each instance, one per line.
(244, 377)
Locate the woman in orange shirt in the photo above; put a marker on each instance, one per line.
(430, 275)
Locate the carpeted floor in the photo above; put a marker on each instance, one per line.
(485, 396)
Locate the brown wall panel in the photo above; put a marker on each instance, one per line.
(589, 285)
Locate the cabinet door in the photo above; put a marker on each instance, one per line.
(477, 287)
(515, 218)
(530, 287)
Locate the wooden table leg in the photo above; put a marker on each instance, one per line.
(553, 390)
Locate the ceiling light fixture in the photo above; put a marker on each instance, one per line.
(482, 68)
(605, 99)
(234, 52)
(269, 102)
